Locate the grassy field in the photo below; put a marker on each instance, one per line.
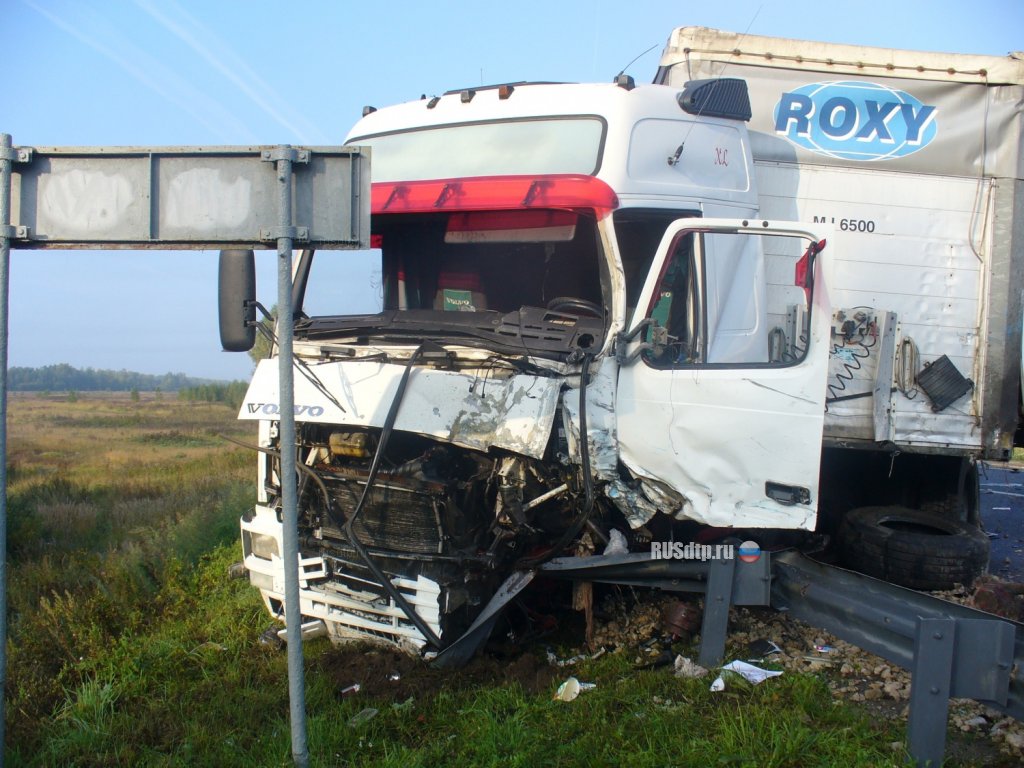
(129, 645)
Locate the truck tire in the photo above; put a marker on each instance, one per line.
(912, 548)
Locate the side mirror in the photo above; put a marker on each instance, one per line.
(237, 300)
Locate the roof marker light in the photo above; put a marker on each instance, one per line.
(567, 191)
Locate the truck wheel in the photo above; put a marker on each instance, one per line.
(912, 548)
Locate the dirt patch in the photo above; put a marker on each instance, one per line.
(391, 675)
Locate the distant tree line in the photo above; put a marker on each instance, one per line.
(232, 393)
(63, 377)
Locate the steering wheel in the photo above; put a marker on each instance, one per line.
(575, 305)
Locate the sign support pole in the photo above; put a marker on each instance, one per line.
(6, 231)
(283, 158)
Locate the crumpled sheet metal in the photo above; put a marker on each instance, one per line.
(473, 410)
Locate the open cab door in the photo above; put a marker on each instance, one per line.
(721, 395)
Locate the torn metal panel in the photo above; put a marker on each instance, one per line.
(459, 652)
(640, 504)
(474, 411)
(601, 420)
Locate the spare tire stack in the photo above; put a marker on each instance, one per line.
(912, 548)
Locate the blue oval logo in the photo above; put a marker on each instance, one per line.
(854, 120)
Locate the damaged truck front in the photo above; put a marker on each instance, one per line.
(583, 328)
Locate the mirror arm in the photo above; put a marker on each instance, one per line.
(263, 310)
(623, 340)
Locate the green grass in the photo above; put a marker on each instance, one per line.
(632, 718)
(197, 690)
(130, 646)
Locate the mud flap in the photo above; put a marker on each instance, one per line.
(462, 650)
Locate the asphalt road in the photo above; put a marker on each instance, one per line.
(1002, 512)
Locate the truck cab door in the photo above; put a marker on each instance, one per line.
(721, 392)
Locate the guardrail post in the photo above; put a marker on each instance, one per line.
(930, 684)
(717, 600)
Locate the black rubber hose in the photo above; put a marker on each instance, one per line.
(385, 435)
(588, 481)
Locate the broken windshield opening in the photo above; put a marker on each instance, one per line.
(532, 278)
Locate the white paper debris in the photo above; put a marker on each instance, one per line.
(616, 543)
(753, 674)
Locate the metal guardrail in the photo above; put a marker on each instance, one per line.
(950, 649)
(722, 582)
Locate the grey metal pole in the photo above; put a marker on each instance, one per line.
(289, 495)
(6, 162)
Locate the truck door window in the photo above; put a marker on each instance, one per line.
(730, 300)
(675, 306)
(638, 233)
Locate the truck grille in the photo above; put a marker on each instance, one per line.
(400, 514)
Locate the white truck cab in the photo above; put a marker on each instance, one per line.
(585, 328)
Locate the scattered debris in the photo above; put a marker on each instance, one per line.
(749, 672)
(554, 661)
(237, 571)
(616, 543)
(685, 667)
(818, 660)
(762, 647)
(362, 716)
(572, 688)
(352, 689)
(663, 659)
(627, 628)
(680, 619)
(270, 638)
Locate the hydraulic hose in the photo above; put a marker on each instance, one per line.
(588, 481)
(385, 434)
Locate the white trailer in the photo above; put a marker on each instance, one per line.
(918, 158)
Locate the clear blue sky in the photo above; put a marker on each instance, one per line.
(182, 72)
